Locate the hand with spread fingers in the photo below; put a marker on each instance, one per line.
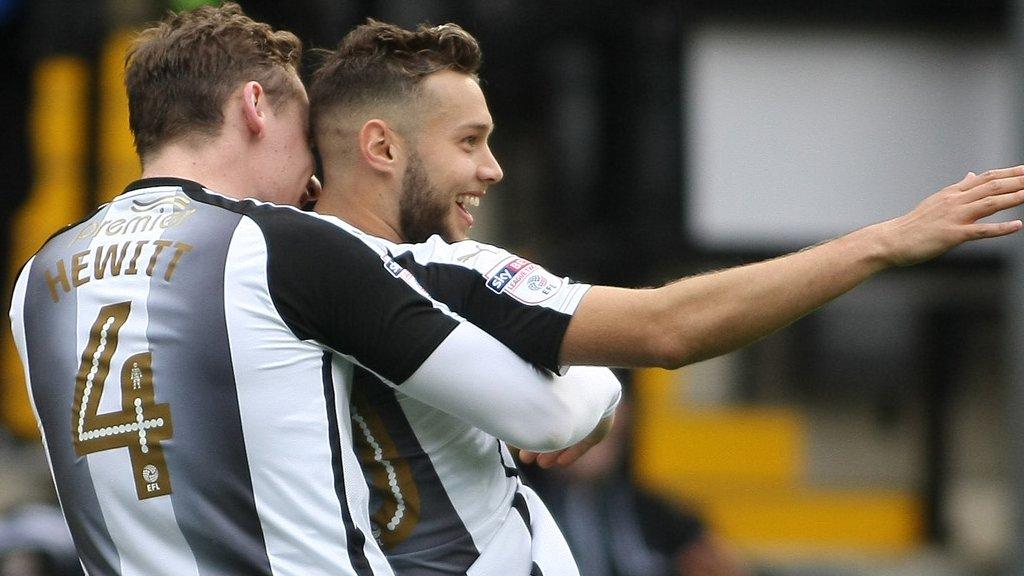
(703, 316)
(952, 216)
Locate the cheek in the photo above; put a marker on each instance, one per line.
(468, 167)
(301, 155)
(298, 147)
(448, 168)
(456, 175)
(306, 161)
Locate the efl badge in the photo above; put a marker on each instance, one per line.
(523, 280)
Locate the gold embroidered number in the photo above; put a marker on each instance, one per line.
(141, 423)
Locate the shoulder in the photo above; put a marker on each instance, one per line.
(465, 254)
(314, 233)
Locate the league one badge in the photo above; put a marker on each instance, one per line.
(523, 280)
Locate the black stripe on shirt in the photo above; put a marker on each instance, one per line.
(328, 286)
(533, 332)
(196, 378)
(356, 538)
(510, 471)
(53, 355)
(519, 503)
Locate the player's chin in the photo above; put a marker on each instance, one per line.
(457, 229)
(451, 235)
(459, 233)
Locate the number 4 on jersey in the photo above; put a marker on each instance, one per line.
(141, 423)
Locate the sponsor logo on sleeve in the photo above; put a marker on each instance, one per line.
(523, 280)
(498, 280)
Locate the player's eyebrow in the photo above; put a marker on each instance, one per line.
(479, 126)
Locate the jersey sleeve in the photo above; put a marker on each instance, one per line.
(524, 306)
(472, 376)
(344, 291)
(330, 286)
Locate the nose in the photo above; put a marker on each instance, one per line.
(489, 170)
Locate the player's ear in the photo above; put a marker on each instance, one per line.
(313, 192)
(378, 145)
(254, 107)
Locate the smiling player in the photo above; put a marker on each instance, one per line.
(402, 126)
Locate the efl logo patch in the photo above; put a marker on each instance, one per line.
(524, 281)
(536, 282)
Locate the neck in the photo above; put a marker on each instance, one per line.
(203, 165)
(360, 209)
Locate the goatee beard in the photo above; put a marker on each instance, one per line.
(421, 209)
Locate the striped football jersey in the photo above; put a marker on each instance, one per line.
(190, 360)
(446, 496)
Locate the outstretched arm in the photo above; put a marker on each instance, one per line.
(371, 311)
(704, 316)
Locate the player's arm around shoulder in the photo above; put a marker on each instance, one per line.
(472, 376)
(707, 315)
(338, 288)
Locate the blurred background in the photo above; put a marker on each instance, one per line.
(642, 141)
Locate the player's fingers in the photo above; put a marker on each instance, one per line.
(994, 186)
(548, 459)
(314, 187)
(527, 457)
(989, 205)
(312, 192)
(967, 182)
(571, 455)
(995, 173)
(994, 229)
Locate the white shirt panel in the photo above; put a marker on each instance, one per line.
(356, 489)
(290, 462)
(466, 459)
(159, 547)
(508, 553)
(504, 272)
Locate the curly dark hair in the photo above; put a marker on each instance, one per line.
(180, 72)
(379, 62)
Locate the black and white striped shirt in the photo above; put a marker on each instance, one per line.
(443, 491)
(190, 358)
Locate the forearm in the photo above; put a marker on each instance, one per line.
(703, 316)
(475, 378)
(728, 310)
(708, 315)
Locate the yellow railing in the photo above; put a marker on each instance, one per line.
(744, 469)
(59, 124)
